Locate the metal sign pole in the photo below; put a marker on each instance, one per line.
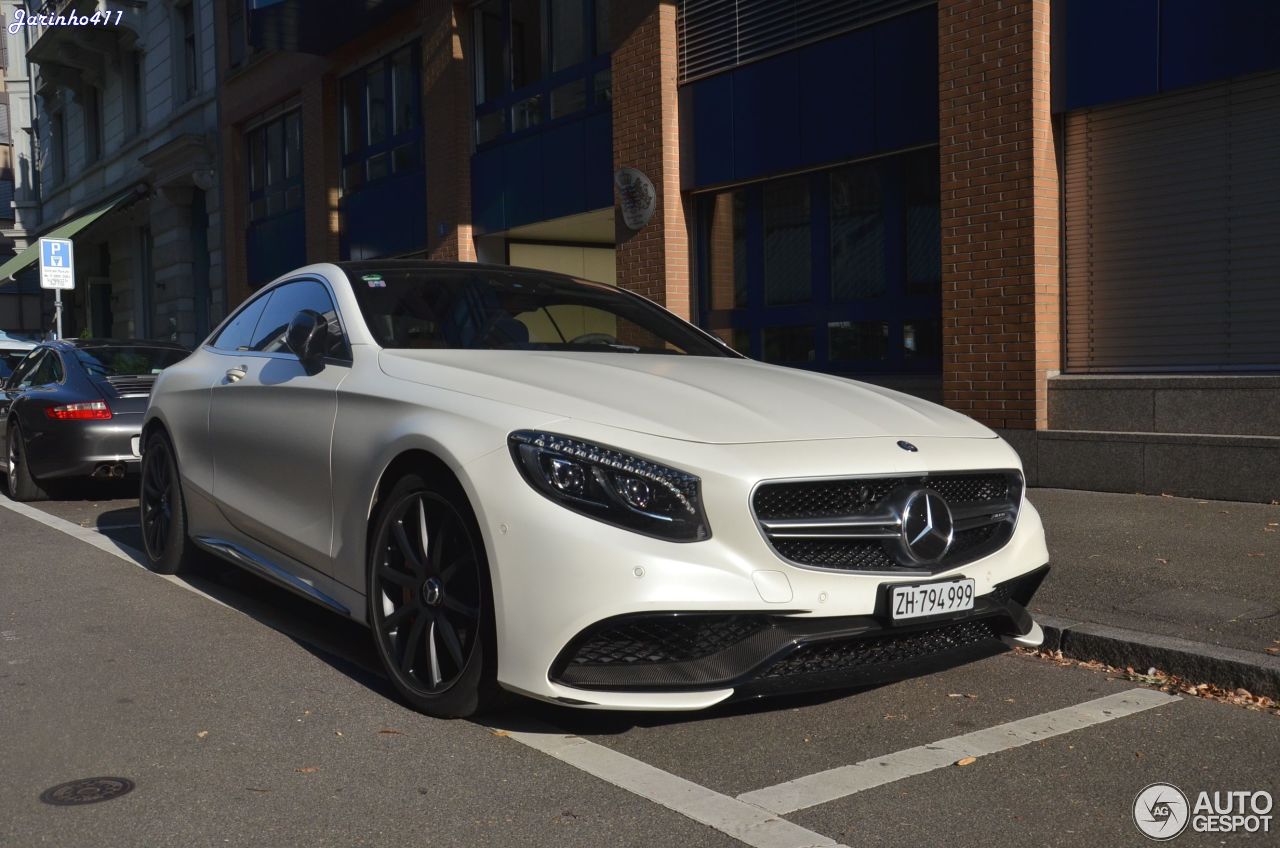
(57, 310)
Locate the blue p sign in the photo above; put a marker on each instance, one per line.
(57, 264)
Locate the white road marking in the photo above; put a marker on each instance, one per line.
(103, 543)
(730, 816)
(839, 782)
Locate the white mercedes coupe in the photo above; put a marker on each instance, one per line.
(521, 481)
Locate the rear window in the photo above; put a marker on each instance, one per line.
(127, 361)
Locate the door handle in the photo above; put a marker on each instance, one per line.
(235, 375)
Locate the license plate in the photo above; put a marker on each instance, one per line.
(931, 599)
(136, 445)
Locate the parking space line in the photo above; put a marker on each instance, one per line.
(102, 542)
(814, 789)
(730, 816)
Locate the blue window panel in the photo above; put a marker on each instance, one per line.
(275, 246)
(597, 162)
(563, 175)
(385, 218)
(522, 167)
(766, 116)
(837, 104)
(1201, 42)
(712, 129)
(488, 208)
(1111, 51)
(906, 80)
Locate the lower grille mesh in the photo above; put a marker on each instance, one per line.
(665, 639)
(883, 650)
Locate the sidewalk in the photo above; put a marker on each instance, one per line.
(1189, 586)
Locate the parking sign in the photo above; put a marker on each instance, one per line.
(57, 264)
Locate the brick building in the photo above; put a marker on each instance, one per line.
(1052, 216)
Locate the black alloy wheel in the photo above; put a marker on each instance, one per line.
(429, 601)
(162, 512)
(22, 486)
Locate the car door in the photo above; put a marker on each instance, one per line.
(271, 429)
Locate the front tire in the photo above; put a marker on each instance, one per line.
(162, 510)
(22, 486)
(430, 600)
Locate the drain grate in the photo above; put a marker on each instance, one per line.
(87, 790)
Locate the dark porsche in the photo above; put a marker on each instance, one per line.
(74, 408)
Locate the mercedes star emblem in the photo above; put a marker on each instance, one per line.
(927, 528)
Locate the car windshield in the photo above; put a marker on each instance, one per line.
(127, 361)
(494, 310)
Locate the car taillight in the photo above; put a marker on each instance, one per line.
(92, 411)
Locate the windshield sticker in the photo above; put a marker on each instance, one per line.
(375, 281)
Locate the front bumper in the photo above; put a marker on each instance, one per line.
(557, 575)
(755, 654)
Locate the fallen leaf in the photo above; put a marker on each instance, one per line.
(967, 761)
(202, 734)
(1273, 650)
(389, 730)
(501, 733)
(338, 732)
(1256, 554)
(1138, 754)
(307, 769)
(1162, 560)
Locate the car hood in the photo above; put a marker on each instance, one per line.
(699, 399)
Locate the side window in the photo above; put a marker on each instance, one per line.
(48, 372)
(239, 332)
(287, 301)
(22, 374)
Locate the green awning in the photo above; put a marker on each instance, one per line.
(31, 253)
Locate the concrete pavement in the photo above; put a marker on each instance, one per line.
(1189, 586)
(259, 720)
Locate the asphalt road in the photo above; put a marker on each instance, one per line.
(247, 717)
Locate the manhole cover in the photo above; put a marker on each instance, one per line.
(88, 790)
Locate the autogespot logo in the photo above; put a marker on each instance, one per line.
(1160, 811)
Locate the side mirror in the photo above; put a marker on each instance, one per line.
(308, 338)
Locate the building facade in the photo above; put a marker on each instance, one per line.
(20, 299)
(1049, 214)
(124, 163)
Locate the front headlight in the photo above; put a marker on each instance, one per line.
(611, 486)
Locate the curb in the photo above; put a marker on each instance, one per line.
(1195, 661)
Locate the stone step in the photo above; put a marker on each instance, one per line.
(1214, 466)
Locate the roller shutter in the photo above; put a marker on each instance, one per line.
(1172, 231)
(717, 35)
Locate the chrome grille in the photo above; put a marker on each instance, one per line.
(853, 524)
